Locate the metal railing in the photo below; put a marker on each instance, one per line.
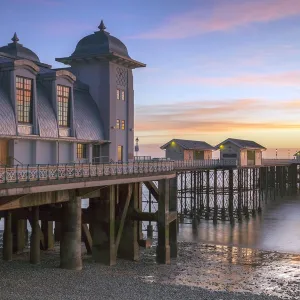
(278, 162)
(205, 163)
(142, 158)
(28, 173)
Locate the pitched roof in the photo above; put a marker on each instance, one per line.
(243, 144)
(190, 145)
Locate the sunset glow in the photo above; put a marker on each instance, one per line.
(215, 69)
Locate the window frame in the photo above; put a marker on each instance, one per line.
(21, 92)
(121, 148)
(81, 151)
(63, 105)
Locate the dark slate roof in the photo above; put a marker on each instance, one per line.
(4, 59)
(87, 117)
(101, 42)
(19, 51)
(46, 116)
(243, 144)
(7, 117)
(190, 145)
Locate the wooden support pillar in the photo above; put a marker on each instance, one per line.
(163, 246)
(230, 196)
(174, 224)
(19, 232)
(7, 237)
(104, 227)
(47, 229)
(35, 237)
(127, 236)
(215, 217)
(57, 231)
(207, 213)
(70, 245)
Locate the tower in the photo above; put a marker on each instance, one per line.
(102, 62)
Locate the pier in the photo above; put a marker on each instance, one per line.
(128, 204)
(109, 227)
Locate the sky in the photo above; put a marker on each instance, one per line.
(215, 69)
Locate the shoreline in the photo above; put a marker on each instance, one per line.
(201, 271)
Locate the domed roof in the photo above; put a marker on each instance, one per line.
(17, 50)
(101, 42)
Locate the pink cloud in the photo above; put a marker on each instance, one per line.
(225, 16)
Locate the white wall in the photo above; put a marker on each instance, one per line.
(45, 152)
(24, 152)
(65, 153)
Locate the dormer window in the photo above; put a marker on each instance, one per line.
(63, 96)
(24, 99)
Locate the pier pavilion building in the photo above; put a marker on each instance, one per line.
(247, 153)
(178, 149)
(83, 112)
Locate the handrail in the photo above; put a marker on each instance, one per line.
(15, 174)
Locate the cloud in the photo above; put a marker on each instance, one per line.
(208, 118)
(227, 15)
(291, 78)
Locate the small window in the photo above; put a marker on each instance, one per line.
(123, 95)
(120, 153)
(123, 125)
(118, 94)
(118, 124)
(81, 151)
(24, 99)
(63, 96)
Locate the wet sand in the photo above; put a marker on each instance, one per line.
(200, 272)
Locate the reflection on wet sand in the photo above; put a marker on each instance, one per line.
(276, 229)
(233, 269)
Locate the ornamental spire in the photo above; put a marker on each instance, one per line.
(102, 27)
(15, 38)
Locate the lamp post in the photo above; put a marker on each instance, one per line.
(136, 148)
(289, 154)
(276, 153)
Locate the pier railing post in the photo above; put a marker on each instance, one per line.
(163, 246)
(70, 245)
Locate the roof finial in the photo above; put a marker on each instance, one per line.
(15, 38)
(102, 26)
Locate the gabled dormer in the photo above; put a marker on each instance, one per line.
(19, 73)
(59, 84)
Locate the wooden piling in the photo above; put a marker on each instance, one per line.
(127, 246)
(70, 245)
(7, 237)
(47, 229)
(35, 236)
(173, 225)
(19, 232)
(163, 247)
(103, 219)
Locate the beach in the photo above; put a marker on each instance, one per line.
(201, 271)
